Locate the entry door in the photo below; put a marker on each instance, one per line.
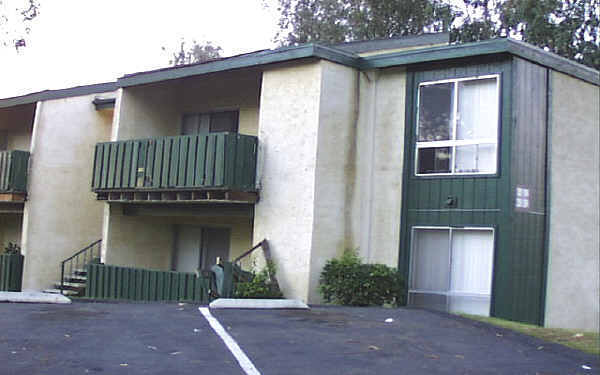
(215, 244)
(189, 243)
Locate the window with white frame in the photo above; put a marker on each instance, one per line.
(451, 269)
(457, 126)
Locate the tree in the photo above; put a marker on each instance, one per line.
(570, 28)
(335, 21)
(196, 53)
(14, 21)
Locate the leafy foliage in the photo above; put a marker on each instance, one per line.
(12, 249)
(570, 28)
(196, 53)
(14, 21)
(335, 21)
(348, 281)
(261, 285)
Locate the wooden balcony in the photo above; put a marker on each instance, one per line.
(217, 167)
(13, 175)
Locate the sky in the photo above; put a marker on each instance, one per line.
(79, 42)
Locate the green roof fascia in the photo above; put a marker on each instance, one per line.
(488, 47)
(243, 61)
(58, 94)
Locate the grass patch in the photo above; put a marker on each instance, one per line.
(588, 342)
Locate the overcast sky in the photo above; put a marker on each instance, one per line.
(78, 42)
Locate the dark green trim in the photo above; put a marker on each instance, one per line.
(102, 103)
(58, 94)
(488, 47)
(546, 253)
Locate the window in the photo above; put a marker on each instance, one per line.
(451, 269)
(203, 123)
(457, 126)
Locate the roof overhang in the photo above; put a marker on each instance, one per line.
(58, 94)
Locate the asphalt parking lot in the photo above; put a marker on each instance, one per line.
(122, 338)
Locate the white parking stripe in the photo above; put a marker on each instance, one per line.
(233, 347)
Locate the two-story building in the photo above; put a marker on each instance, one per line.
(474, 168)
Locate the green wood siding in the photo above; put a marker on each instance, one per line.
(11, 272)
(489, 200)
(216, 160)
(137, 284)
(13, 171)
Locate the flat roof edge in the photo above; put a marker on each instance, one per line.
(58, 94)
(244, 61)
(489, 47)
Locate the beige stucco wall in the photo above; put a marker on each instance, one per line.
(334, 170)
(336, 183)
(573, 290)
(133, 241)
(288, 129)
(379, 163)
(61, 214)
(10, 229)
(148, 241)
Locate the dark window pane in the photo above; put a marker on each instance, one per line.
(434, 160)
(224, 122)
(435, 112)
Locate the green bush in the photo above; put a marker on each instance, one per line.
(348, 281)
(260, 286)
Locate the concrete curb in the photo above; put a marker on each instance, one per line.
(33, 297)
(232, 303)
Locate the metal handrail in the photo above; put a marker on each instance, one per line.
(87, 253)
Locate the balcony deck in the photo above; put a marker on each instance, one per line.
(217, 167)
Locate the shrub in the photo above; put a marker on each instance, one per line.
(260, 286)
(12, 249)
(348, 281)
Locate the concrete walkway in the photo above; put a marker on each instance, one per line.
(33, 297)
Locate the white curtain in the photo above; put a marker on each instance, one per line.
(477, 109)
(460, 267)
(431, 257)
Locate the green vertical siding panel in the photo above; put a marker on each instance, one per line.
(112, 176)
(174, 163)
(119, 165)
(240, 156)
(97, 166)
(183, 160)
(105, 165)
(191, 161)
(230, 160)
(209, 172)
(199, 178)
(219, 160)
(166, 164)
(158, 163)
(149, 179)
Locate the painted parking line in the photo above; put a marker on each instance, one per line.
(233, 347)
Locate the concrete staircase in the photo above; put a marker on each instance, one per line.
(73, 284)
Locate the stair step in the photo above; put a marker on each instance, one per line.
(67, 292)
(70, 286)
(76, 279)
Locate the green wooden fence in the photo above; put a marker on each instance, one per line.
(13, 171)
(11, 272)
(217, 160)
(137, 284)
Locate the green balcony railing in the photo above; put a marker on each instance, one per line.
(13, 171)
(214, 161)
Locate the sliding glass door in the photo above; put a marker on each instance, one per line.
(451, 269)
